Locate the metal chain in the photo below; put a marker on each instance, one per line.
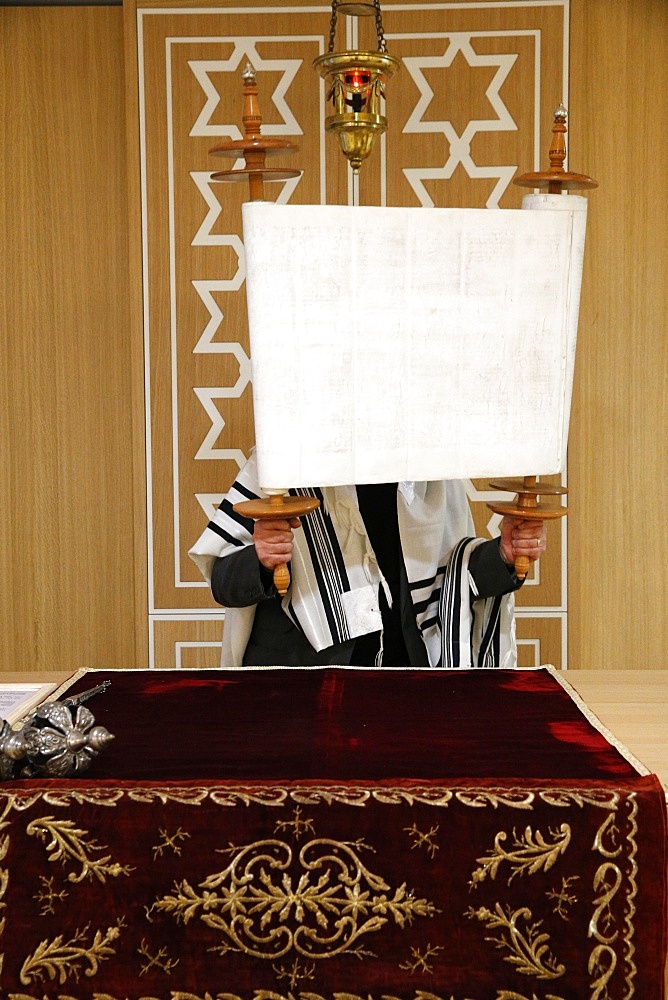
(380, 34)
(332, 25)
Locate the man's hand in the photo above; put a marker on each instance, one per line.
(522, 537)
(273, 540)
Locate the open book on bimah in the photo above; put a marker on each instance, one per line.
(20, 699)
(393, 344)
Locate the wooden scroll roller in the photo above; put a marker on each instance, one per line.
(527, 503)
(255, 148)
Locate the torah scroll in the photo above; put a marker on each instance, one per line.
(393, 344)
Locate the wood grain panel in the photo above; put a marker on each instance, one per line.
(72, 540)
(472, 102)
(66, 482)
(540, 639)
(187, 644)
(618, 548)
(200, 400)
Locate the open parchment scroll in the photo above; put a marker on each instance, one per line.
(393, 344)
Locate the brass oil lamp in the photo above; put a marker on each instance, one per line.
(355, 85)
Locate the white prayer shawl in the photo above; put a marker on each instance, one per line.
(335, 576)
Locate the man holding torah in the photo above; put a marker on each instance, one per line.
(388, 574)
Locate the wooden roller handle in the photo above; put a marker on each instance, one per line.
(282, 578)
(522, 564)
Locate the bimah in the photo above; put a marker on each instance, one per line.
(337, 834)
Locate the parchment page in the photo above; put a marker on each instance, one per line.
(398, 344)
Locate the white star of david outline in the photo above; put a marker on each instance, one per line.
(482, 496)
(209, 502)
(204, 237)
(206, 344)
(460, 146)
(207, 450)
(201, 69)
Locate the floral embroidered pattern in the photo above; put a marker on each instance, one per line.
(266, 906)
(60, 959)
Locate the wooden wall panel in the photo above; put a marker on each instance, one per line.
(471, 105)
(72, 498)
(618, 548)
(183, 644)
(67, 525)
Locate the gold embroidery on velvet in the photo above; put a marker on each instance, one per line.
(298, 825)
(4, 878)
(562, 898)
(432, 795)
(511, 995)
(608, 832)
(168, 841)
(421, 839)
(630, 908)
(94, 796)
(69, 842)
(295, 973)
(602, 964)
(47, 896)
(160, 960)
(515, 798)
(273, 995)
(603, 959)
(420, 960)
(609, 877)
(335, 901)
(63, 959)
(604, 798)
(531, 854)
(529, 951)
(5, 840)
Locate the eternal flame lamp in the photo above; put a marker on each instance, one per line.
(355, 85)
(254, 148)
(528, 503)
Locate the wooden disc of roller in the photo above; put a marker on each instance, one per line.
(266, 174)
(554, 182)
(536, 512)
(556, 179)
(276, 506)
(533, 487)
(263, 144)
(526, 503)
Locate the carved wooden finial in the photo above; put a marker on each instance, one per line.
(254, 147)
(556, 179)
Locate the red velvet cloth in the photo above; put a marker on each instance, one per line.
(343, 724)
(330, 834)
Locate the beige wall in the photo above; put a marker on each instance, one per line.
(67, 561)
(71, 460)
(618, 473)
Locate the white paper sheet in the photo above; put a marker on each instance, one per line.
(18, 700)
(394, 344)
